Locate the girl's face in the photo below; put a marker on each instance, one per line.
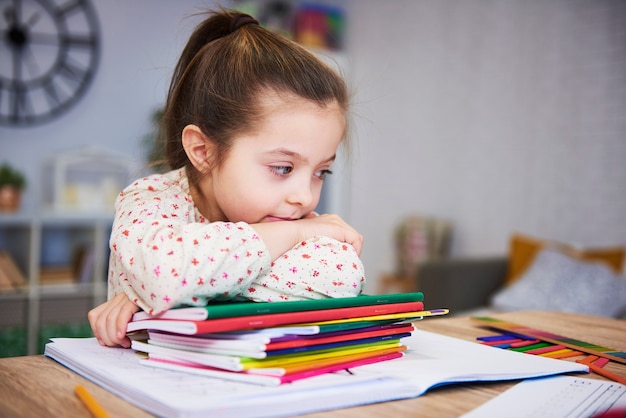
(277, 172)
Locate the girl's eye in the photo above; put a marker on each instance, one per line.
(281, 170)
(322, 174)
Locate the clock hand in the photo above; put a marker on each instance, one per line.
(9, 15)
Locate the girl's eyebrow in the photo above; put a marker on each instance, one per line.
(296, 155)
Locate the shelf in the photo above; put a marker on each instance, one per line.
(38, 240)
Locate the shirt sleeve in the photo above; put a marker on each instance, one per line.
(161, 256)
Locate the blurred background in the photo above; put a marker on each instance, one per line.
(488, 116)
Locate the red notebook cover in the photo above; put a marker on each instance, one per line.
(271, 320)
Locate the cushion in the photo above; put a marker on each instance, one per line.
(558, 282)
(523, 249)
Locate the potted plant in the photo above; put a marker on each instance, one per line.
(12, 182)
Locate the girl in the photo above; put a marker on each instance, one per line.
(252, 125)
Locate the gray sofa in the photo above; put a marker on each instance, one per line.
(460, 285)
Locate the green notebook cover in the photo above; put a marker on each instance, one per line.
(232, 309)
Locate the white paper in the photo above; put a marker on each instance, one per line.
(434, 359)
(557, 396)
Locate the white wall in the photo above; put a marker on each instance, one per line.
(141, 41)
(498, 115)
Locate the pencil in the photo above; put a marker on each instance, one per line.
(603, 372)
(92, 405)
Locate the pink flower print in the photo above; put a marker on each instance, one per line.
(155, 247)
(195, 242)
(317, 246)
(157, 271)
(236, 256)
(195, 261)
(152, 296)
(248, 254)
(339, 267)
(337, 283)
(184, 282)
(171, 252)
(354, 266)
(224, 275)
(251, 289)
(316, 273)
(293, 269)
(240, 280)
(131, 261)
(290, 284)
(306, 256)
(275, 277)
(212, 281)
(166, 299)
(211, 259)
(200, 281)
(309, 289)
(125, 232)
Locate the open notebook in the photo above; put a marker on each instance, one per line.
(430, 361)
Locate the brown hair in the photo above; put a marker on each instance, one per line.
(223, 72)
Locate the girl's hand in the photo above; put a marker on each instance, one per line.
(279, 237)
(109, 320)
(330, 226)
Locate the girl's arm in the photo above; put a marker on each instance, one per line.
(161, 256)
(279, 237)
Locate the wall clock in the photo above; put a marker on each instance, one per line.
(49, 52)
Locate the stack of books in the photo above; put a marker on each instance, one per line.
(271, 343)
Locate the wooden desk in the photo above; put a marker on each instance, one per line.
(37, 386)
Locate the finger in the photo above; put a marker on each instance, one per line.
(125, 314)
(93, 315)
(108, 324)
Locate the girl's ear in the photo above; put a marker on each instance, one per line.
(198, 148)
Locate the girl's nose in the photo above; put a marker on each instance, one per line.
(301, 194)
